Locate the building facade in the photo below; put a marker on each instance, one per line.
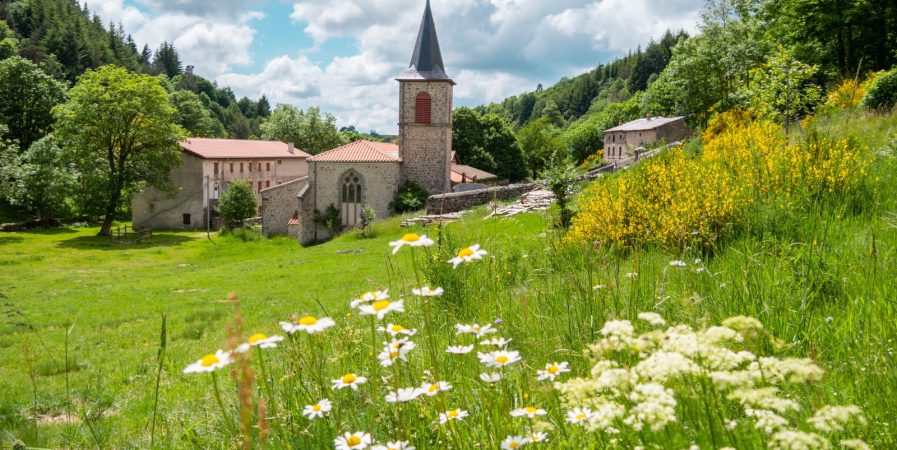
(622, 142)
(209, 167)
(370, 173)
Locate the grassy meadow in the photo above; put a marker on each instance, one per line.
(82, 319)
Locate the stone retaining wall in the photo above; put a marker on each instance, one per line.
(459, 201)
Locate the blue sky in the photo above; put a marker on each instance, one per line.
(342, 55)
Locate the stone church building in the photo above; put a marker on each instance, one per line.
(370, 173)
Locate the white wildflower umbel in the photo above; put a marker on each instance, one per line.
(831, 419)
(797, 440)
(654, 407)
(652, 318)
(677, 263)
(468, 254)
(411, 240)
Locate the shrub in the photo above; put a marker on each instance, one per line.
(409, 197)
(882, 92)
(676, 199)
(560, 176)
(368, 214)
(849, 93)
(237, 204)
(329, 219)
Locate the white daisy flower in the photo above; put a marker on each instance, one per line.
(210, 362)
(468, 254)
(352, 441)
(403, 395)
(474, 329)
(397, 349)
(552, 371)
(493, 377)
(529, 411)
(631, 274)
(538, 437)
(459, 349)
(262, 341)
(497, 341)
(500, 358)
(677, 263)
(308, 324)
(318, 409)
(397, 445)
(427, 292)
(349, 380)
(381, 308)
(411, 240)
(431, 389)
(512, 442)
(452, 414)
(395, 329)
(370, 297)
(579, 415)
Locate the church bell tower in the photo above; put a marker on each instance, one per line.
(425, 113)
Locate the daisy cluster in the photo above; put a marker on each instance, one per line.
(644, 381)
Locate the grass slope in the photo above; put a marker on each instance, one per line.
(819, 279)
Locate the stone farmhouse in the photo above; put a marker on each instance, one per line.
(209, 166)
(370, 173)
(626, 141)
(462, 174)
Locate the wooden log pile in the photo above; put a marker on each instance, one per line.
(537, 200)
(432, 219)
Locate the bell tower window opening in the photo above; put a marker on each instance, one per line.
(423, 107)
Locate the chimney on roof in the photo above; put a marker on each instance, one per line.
(291, 148)
(648, 116)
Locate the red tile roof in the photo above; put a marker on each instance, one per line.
(361, 151)
(461, 172)
(239, 149)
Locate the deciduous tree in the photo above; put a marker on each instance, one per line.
(28, 95)
(237, 203)
(118, 130)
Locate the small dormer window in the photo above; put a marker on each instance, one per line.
(422, 108)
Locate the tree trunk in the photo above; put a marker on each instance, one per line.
(106, 228)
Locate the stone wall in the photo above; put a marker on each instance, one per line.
(279, 204)
(151, 208)
(426, 148)
(459, 201)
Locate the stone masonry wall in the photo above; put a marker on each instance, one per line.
(426, 148)
(157, 210)
(459, 201)
(279, 204)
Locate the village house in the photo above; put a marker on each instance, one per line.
(625, 142)
(462, 174)
(370, 173)
(209, 166)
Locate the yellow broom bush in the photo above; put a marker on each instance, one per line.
(676, 197)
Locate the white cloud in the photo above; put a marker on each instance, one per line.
(492, 48)
(117, 12)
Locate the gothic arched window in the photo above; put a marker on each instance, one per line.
(422, 108)
(350, 198)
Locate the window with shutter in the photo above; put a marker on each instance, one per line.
(422, 108)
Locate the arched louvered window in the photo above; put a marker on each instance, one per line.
(423, 105)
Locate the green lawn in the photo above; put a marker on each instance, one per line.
(112, 297)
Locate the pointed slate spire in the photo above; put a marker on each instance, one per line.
(426, 62)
